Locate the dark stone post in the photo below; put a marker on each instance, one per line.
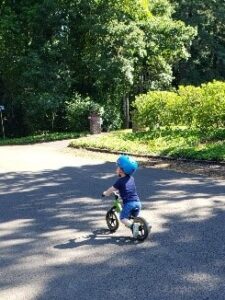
(95, 123)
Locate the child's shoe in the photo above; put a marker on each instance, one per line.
(135, 230)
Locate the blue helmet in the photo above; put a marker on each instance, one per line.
(127, 164)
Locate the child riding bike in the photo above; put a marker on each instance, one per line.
(125, 185)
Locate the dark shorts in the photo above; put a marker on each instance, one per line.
(128, 208)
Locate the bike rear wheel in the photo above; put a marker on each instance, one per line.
(143, 228)
(112, 220)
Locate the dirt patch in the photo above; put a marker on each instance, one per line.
(206, 169)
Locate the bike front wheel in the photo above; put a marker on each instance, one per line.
(112, 220)
(144, 230)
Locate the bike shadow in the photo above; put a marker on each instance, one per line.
(98, 237)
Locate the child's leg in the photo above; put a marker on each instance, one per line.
(126, 212)
(127, 222)
(137, 210)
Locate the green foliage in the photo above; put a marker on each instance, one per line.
(170, 142)
(157, 109)
(199, 107)
(96, 109)
(166, 44)
(134, 9)
(107, 50)
(33, 71)
(207, 61)
(160, 7)
(42, 109)
(77, 113)
(204, 106)
(112, 118)
(212, 108)
(40, 138)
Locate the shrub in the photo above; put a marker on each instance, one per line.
(112, 118)
(198, 107)
(190, 100)
(77, 112)
(158, 109)
(211, 112)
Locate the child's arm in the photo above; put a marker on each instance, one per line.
(109, 191)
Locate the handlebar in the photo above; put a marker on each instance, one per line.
(116, 195)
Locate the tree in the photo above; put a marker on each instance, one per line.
(107, 50)
(32, 65)
(125, 48)
(207, 60)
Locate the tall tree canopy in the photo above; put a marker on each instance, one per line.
(108, 50)
(207, 60)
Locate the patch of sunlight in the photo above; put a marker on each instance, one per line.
(60, 233)
(15, 242)
(79, 248)
(29, 291)
(108, 176)
(11, 227)
(202, 278)
(181, 182)
(200, 214)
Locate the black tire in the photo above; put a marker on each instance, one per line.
(143, 228)
(112, 220)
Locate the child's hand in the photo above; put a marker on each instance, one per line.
(109, 191)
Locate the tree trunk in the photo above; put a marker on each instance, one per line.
(126, 110)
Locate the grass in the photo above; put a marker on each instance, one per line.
(40, 138)
(169, 142)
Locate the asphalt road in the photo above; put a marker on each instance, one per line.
(54, 243)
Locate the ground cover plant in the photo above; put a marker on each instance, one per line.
(176, 142)
(39, 138)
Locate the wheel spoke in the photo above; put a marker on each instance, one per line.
(112, 221)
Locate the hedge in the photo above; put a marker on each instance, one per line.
(197, 107)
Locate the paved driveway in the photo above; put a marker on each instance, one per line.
(54, 243)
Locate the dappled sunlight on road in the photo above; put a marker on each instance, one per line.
(54, 241)
(32, 290)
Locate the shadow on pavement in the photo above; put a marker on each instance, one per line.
(53, 246)
(97, 237)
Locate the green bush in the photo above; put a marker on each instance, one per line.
(112, 118)
(78, 111)
(211, 112)
(190, 97)
(157, 109)
(198, 107)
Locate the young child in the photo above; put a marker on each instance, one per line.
(126, 166)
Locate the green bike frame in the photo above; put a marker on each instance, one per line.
(117, 205)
